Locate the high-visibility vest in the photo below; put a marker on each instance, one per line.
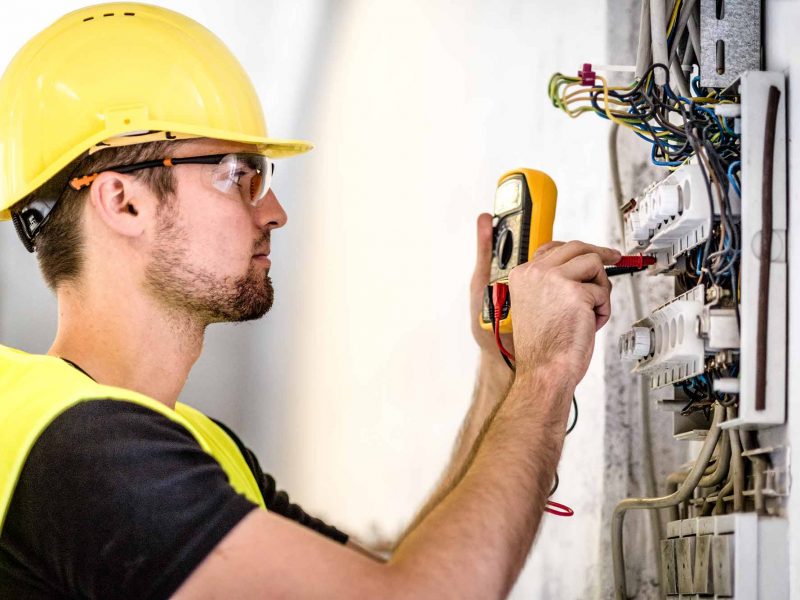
(35, 389)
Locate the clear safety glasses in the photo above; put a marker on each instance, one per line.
(250, 174)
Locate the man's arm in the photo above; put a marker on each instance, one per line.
(494, 376)
(491, 386)
(474, 542)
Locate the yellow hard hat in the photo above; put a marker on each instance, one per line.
(115, 70)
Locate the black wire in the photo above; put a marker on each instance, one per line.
(555, 486)
(574, 400)
(575, 418)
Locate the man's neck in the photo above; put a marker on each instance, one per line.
(128, 341)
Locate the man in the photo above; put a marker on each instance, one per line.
(137, 166)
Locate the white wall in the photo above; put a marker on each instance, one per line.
(353, 388)
(420, 108)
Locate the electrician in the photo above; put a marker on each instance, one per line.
(137, 165)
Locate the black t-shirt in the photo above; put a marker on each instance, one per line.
(118, 501)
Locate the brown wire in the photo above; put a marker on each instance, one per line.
(765, 259)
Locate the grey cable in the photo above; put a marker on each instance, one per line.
(759, 466)
(679, 78)
(694, 34)
(683, 492)
(719, 505)
(680, 26)
(737, 466)
(658, 35)
(711, 476)
(643, 51)
(689, 55)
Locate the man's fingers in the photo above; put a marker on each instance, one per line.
(546, 248)
(483, 260)
(570, 250)
(602, 303)
(586, 268)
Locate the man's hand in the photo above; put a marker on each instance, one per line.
(559, 300)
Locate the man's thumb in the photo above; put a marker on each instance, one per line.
(484, 255)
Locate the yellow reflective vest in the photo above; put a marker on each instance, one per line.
(35, 389)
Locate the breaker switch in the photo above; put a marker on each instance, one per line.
(637, 343)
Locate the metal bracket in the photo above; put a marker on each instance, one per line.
(730, 40)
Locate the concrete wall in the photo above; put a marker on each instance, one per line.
(782, 53)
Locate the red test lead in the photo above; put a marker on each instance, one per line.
(630, 264)
(637, 261)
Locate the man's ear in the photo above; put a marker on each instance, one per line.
(119, 202)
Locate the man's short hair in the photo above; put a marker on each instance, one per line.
(60, 243)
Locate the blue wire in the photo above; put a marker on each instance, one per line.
(728, 130)
(697, 269)
(732, 178)
(712, 113)
(661, 163)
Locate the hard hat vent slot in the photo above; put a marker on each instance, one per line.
(127, 14)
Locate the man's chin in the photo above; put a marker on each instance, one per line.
(251, 302)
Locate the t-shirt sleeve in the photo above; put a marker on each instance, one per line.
(278, 501)
(118, 501)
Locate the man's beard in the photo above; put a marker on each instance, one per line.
(198, 294)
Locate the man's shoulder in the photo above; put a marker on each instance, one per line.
(112, 418)
(114, 492)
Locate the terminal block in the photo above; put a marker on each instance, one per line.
(673, 216)
(672, 344)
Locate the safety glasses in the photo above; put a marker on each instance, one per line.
(250, 174)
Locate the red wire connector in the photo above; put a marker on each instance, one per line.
(637, 261)
(586, 74)
(499, 295)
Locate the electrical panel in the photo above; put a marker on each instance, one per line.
(710, 333)
(714, 224)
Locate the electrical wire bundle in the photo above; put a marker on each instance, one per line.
(655, 113)
(653, 105)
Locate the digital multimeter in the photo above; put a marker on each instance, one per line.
(524, 211)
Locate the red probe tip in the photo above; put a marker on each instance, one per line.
(637, 261)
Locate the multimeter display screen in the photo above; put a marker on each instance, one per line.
(508, 196)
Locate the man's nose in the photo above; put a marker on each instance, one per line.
(270, 214)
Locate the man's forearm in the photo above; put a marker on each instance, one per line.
(491, 386)
(480, 533)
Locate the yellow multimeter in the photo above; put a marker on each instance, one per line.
(524, 211)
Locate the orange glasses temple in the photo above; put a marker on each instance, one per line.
(79, 183)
